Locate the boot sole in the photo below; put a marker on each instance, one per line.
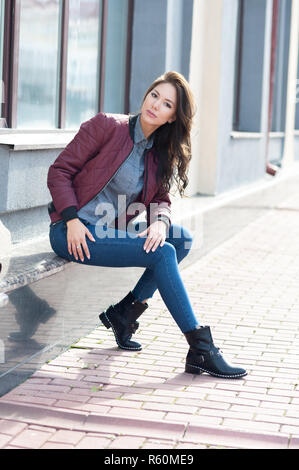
(106, 322)
(191, 369)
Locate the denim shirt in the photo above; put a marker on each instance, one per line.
(127, 183)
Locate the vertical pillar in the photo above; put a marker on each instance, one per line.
(204, 78)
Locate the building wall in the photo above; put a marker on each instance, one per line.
(162, 32)
(225, 158)
(240, 160)
(24, 194)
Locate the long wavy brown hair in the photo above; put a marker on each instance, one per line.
(173, 140)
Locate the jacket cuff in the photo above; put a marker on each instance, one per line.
(69, 213)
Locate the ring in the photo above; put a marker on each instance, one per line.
(78, 246)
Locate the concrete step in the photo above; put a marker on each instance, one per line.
(179, 432)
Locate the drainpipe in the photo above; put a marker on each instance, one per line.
(270, 168)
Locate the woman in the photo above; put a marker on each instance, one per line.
(117, 166)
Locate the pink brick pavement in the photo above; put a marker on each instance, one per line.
(97, 396)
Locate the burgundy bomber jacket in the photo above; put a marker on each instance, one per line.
(89, 162)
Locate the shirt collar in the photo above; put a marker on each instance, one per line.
(140, 137)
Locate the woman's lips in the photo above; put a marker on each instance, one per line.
(152, 115)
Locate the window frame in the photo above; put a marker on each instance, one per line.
(8, 118)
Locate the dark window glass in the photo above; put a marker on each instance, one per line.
(116, 48)
(38, 64)
(281, 66)
(84, 45)
(249, 65)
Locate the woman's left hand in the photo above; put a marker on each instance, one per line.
(156, 235)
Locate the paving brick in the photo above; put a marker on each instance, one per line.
(66, 396)
(31, 439)
(97, 380)
(277, 419)
(253, 410)
(11, 427)
(170, 407)
(293, 430)
(188, 418)
(93, 442)
(126, 442)
(248, 415)
(31, 399)
(170, 392)
(239, 424)
(65, 404)
(72, 383)
(56, 445)
(140, 413)
(294, 443)
(43, 387)
(158, 444)
(189, 445)
(149, 398)
(66, 437)
(4, 440)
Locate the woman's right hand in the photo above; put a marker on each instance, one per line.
(76, 239)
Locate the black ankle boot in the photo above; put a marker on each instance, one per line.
(122, 317)
(204, 356)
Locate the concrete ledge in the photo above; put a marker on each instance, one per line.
(30, 262)
(22, 140)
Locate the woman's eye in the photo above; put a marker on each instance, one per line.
(154, 94)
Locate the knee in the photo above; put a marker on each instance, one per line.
(163, 254)
(167, 250)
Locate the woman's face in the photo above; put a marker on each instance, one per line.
(158, 107)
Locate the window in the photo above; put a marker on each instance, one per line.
(115, 66)
(281, 66)
(62, 62)
(82, 71)
(37, 64)
(249, 65)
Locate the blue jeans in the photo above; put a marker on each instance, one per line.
(119, 248)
